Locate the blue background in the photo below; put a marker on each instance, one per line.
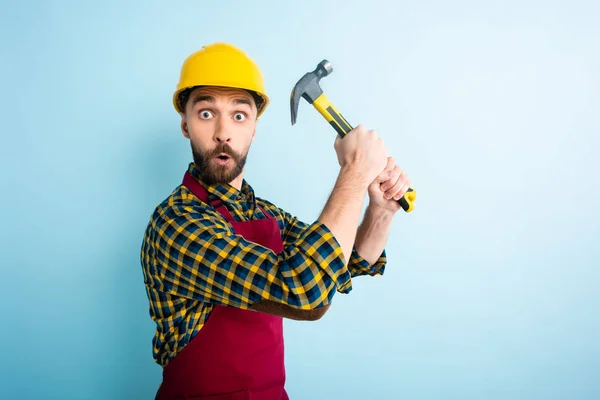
(491, 291)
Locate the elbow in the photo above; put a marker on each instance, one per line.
(316, 314)
(286, 311)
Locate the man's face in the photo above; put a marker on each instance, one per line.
(221, 124)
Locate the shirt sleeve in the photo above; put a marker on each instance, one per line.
(200, 257)
(357, 266)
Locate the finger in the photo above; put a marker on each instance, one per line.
(387, 171)
(403, 190)
(391, 163)
(389, 166)
(387, 184)
(392, 179)
(384, 176)
(396, 188)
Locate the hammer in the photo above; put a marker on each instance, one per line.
(308, 87)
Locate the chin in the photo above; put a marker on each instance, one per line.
(220, 175)
(212, 173)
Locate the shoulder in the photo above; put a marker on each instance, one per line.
(182, 207)
(272, 208)
(284, 218)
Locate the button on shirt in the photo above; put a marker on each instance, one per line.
(192, 260)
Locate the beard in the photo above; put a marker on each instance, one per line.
(213, 173)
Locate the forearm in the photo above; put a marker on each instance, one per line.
(373, 233)
(341, 214)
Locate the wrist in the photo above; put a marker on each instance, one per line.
(380, 212)
(355, 176)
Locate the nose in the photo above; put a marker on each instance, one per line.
(222, 131)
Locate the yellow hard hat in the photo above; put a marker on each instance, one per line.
(221, 64)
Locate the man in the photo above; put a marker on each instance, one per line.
(223, 267)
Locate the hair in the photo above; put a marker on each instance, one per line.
(184, 96)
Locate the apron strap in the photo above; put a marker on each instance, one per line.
(202, 194)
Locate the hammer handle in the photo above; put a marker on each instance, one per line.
(343, 127)
(332, 115)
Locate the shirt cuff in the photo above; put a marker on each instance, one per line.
(358, 266)
(324, 249)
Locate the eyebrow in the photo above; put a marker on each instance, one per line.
(210, 99)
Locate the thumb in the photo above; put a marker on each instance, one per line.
(337, 141)
(385, 174)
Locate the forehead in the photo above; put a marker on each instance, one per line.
(220, 94)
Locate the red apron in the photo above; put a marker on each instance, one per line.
(238, 354)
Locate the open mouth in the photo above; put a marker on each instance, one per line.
(223, 159)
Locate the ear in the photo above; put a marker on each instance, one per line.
(184, 126)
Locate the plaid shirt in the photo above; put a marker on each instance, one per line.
(192, 260)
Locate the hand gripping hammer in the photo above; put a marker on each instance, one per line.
(308, 87)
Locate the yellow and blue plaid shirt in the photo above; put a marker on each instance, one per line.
(192, 260)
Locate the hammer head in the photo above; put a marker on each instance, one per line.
(308, 87)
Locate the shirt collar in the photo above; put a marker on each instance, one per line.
(224, 191)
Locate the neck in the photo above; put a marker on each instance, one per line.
(237, 182)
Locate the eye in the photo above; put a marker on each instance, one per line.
(239, 117)
(205, 114)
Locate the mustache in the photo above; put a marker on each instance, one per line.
(223, 148)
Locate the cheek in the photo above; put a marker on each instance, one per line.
(248, 138)
(200, 131)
